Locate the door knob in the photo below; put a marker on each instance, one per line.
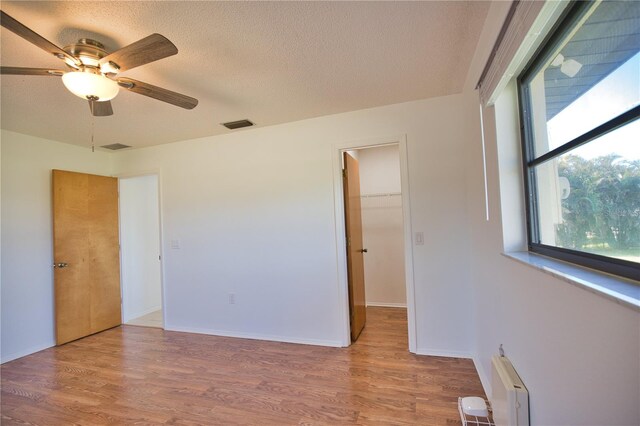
(60, 265)
(363, 251)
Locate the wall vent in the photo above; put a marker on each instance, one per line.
(115, 146)
(237, 124)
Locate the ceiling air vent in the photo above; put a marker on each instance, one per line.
(237, 124)
(115, 146)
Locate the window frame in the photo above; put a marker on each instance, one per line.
(563, 27)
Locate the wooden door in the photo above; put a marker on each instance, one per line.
(355, 249)
(86, 254)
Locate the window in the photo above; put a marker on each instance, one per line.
(580, 110)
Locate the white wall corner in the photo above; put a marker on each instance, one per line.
(484, 378)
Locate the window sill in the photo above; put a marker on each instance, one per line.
(620, 290)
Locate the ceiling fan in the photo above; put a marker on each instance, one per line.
(92, 71)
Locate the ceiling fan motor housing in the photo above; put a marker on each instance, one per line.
(88, 51)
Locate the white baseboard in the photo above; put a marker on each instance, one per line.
(449, 354)
(25, 352)
(254, 336)
(484, 379)
(387, 305)
(142, 313)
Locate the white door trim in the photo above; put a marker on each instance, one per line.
(341, 253)
(161, 234)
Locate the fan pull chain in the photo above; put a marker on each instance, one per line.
(93, 147)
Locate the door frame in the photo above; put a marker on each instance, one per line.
(341, 249)
(163, 298)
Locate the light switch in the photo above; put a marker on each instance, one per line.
(175, 244)
(419, 238)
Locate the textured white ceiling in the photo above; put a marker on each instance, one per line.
(270, 62)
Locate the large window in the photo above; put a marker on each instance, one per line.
(580, 110)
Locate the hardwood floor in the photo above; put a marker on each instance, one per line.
(140, 375)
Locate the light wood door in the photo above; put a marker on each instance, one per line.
(355, 249)
(86, 254)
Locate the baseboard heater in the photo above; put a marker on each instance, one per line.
(510, 398)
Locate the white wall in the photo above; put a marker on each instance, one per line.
(382, 226)
(379, 170)
(27, 253)
(253, 214)
(140, 246)
(578, 353)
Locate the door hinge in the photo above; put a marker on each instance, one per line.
(344, 173)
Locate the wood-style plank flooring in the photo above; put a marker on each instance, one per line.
(140, 375)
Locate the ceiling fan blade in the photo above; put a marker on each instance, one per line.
(30, 71)
(141, 52)
(100, 109)
(158, 93)
(31, 36)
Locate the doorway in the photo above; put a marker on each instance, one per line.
(381, 208)
(140, 251)
(386, 230)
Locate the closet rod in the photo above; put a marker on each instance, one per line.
(385, 194)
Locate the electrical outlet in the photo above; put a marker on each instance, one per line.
(232, 298)
(175, 244)
(419, 238)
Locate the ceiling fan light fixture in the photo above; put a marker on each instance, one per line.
(109, 68)
(70, 62)
(93, 69)
(88, 85)
(89, 61)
